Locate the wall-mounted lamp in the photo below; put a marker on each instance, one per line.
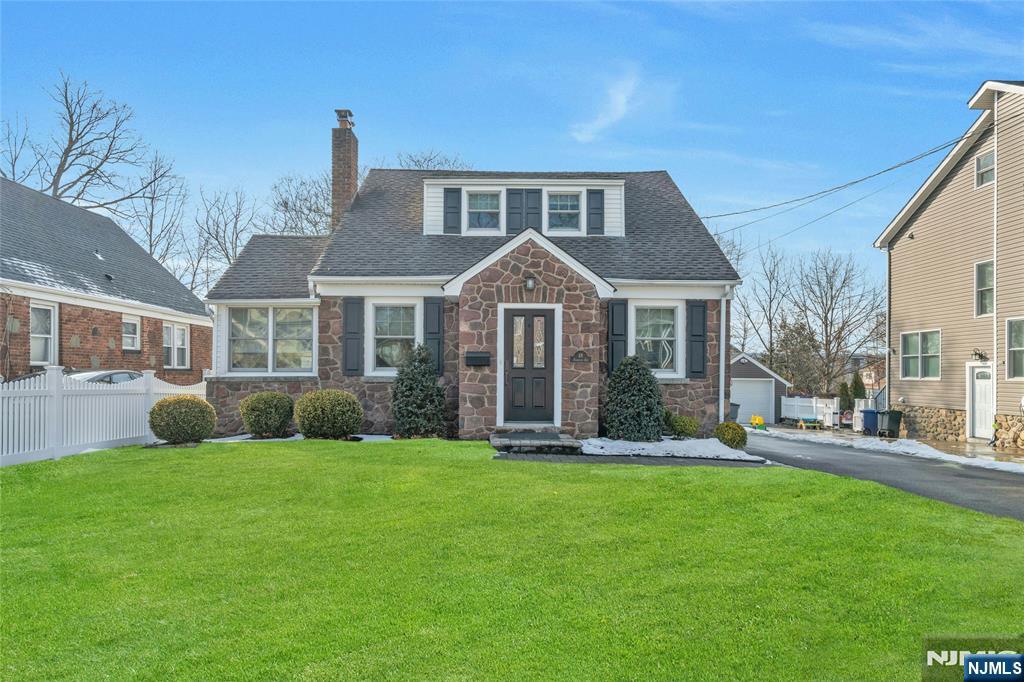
(978, 354)
(743, 361)
(530, 284)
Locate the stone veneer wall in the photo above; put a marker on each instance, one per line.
(582, 329)
(1009, 430)
(225, 394)
(699, 397)
(938, 423)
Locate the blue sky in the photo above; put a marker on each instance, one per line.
(745, 104)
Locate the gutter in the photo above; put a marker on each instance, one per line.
(727, 295)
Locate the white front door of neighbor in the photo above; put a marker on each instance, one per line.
(982, 413)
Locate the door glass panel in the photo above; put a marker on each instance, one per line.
(519, 341)
(984, 376)
(538, 342)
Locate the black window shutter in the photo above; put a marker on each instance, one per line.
(696, 339)
(352, 336)
(514, 210)
(618, 328)
(595, 211)
(452, 210)
(533, 210)
(433, 330)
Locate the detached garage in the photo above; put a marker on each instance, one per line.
(756, 389)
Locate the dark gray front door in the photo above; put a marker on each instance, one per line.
(530, 365)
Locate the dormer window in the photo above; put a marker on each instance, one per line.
(564, 211)
(984, 169)
(484, 210)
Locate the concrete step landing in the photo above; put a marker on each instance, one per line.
(534, 443)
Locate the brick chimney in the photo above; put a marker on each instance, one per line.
(344, 165)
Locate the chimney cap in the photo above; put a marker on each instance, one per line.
(345, 118)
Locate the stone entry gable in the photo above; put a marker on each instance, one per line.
(583, 329)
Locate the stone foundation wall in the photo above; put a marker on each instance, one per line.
(1009, 431)
(937, 423)
(225, 394)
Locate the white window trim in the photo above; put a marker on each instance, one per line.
(313, 371)
(582, 231)
(679, 371)
(556, 354)
(993, 287)
(54, 332)
(175, 326)
(466, 191)
(369, 338)
(920, 355)
(1008, 349)
(138, 332)
(977, 169)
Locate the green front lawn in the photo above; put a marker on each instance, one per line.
(321, 560)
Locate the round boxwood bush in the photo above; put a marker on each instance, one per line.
(267, 414)
(635, 411)
(732, 434)
(328, 413)
(685, 426)
(182, 419)
(417, 401)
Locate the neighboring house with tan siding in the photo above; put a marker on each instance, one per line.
(956, 284)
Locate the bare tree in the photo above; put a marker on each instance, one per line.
(764, 302)
(840, 306)
(431, 159)
(155, 217)
(299, 205)
(224, 221)
(91, 158)
(740, 330)
(192, 265)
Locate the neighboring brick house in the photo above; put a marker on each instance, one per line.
(77, 291)
(956, 284)
(528, 288)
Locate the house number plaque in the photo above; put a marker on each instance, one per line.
(579, 356)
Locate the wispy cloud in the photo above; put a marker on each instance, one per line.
(918, 35)
(619, 101)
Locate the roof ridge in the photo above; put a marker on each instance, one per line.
(513, 172)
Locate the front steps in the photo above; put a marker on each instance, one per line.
(534, 443)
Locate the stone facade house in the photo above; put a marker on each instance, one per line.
(956, 284)
(527, 288)
(77, 291)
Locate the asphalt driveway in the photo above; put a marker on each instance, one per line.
(994, 492)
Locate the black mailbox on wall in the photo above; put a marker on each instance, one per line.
(478, 358)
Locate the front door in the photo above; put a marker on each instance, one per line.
(982, 413)
(530, 366)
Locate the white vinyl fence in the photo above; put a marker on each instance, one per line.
(53, 415)
(820, 409)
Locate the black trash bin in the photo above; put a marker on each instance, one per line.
(889, 423)
(734, 411)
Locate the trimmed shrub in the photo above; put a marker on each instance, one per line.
(328, 413)
(668, 418)
(731, 434)
(685, 426)
(417, 401)
(635, 411)
(182, 419)
(267, 414)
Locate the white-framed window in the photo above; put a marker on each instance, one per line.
(483, 210)
(921, 354)
(131, 337)
(271, 339)
(175, 345)
(393, 328)
(42, 333)
(1015, 348)
(656, 335)
(984, 289)
(564, 211)
(984, 169)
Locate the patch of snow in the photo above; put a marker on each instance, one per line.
(903, 446)
(697, 448)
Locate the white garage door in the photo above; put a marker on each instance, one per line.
(755, 396)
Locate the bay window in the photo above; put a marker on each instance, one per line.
(270, 339)
(175, 346)
(42, 333)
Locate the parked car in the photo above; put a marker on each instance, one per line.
(108, 376)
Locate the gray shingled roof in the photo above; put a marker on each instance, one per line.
(271, 266)
(382, 233)
(48, 242)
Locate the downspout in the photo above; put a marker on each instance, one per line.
(888, 326)
(995, 265)
(726, 294)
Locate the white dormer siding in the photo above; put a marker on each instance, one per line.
(614, 202)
